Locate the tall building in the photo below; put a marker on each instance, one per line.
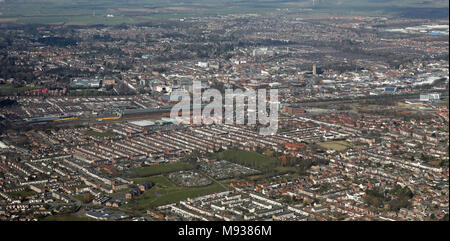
(314, 70)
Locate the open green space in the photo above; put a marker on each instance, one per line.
(99, 134)
(110, 12)
(79, 197)
(8, 89)
(160, 169)
(159, 179)
(164, 192)
(337, 145)
(444, 101)
(247, 158)
(269, 165)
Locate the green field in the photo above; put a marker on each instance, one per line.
(337, 145)
(444, 101)
(159, 179)
(247, 158)
(160, 169)
(268, 165)
(8, 89)
(84, 12)
(79, 197)
(164, 192)
(99, 134)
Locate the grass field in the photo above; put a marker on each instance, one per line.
(268, 165)
(79, 197)
(164, 192)
(99, 134)
(160, 169)
(7, 89)
(444, 101)
(337, 145)
(247, 158)
(159, 179)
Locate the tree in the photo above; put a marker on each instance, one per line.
(87, 198)
(283, 159)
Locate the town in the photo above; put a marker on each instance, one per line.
(86, 131)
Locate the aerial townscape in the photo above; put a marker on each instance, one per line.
(86, 100)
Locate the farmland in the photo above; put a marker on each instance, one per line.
(109, 12)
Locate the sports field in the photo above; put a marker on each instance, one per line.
(337, 145)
